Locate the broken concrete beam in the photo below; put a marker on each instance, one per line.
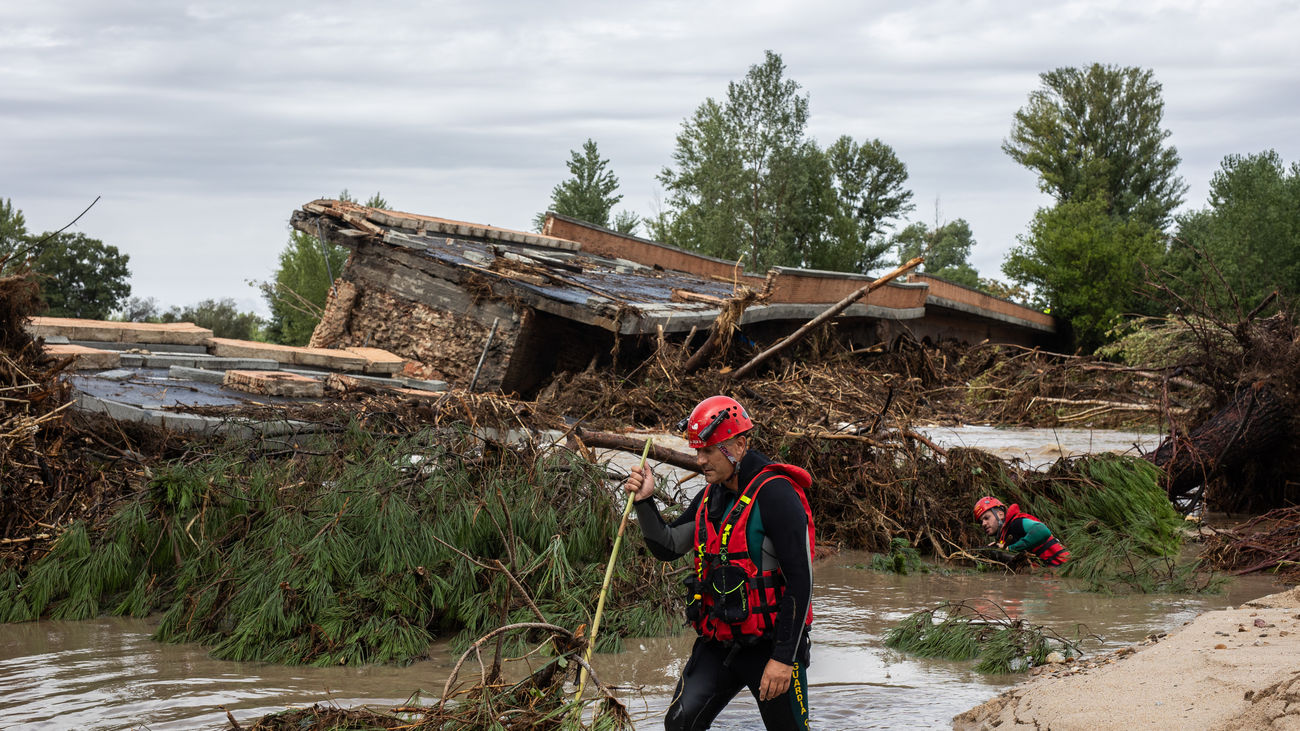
(177, 333)
(274, 383)
(84, 358)
(153, 348)
(379, 360)
(335, 360)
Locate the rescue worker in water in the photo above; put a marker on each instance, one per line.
(749, 593)
(1016, 531)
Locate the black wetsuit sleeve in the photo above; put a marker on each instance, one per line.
(667, 541)
(786, 526)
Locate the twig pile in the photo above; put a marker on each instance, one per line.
(1266, 542)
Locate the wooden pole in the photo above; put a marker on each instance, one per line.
(834, 310)
(604, 589)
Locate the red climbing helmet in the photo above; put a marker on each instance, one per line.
(715, 419)
(983, 505)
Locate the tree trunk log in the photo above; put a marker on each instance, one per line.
(634, 444)
(1247, 430)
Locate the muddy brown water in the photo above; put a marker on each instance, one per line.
(108, 674)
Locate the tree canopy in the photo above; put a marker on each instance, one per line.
(1250, 229)
(223, 317)
(13, 228)
(946, 249)
(1095, 133)
(589, 195)
(1085, 265)
(747, 184)
(80, 276)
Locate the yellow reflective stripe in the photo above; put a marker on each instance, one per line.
(745, 499)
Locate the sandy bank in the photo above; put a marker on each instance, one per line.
(1228, 669)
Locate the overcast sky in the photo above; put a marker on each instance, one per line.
(205, 124)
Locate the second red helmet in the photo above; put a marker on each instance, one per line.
(984, 504)
(715, 419)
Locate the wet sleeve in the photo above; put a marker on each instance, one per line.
(786, 525)
(1035, 533)
(666, 541)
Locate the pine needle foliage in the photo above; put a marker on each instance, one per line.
(960, 631)
(354, 548)
(902, 559)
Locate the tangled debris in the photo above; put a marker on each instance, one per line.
(1268, 542)
(351, 548)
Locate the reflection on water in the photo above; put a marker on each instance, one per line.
(106, 673)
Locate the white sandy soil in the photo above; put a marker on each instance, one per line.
(1228, 669)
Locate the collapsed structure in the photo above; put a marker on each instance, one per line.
(505, 309)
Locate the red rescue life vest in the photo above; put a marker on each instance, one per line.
(1051, 551)
(725, 570)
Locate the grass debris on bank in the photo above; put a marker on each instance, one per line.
(962, 631)
(350, 548)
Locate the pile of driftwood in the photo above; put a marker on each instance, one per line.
(50, 473)
(1268, 542)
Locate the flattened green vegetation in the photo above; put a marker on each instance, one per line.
(353, 548)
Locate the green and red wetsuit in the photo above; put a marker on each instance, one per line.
(1023, 532)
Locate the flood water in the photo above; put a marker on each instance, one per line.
(108, 674)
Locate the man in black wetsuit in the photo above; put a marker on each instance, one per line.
(749, 597)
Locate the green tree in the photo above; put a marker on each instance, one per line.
(80, 276)
(1095, 132)
(946, 249)
(1250, 229)
(301, 283)
(13, 230)
(589, 195)
(138, 309)
(222, 317)
(746, 183)
(1085, 264)
(868, 180)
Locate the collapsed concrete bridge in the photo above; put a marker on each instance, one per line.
(451, 295)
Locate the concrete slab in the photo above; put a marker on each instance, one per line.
(84, 358)
(117, 374)
(190, 422)
(59, 340)
(228, 348)
(179, 333)
(335, 360)
(274, 383)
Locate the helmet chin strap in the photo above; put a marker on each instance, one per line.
(727, 453)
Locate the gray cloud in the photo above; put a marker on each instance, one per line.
(204, 125)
